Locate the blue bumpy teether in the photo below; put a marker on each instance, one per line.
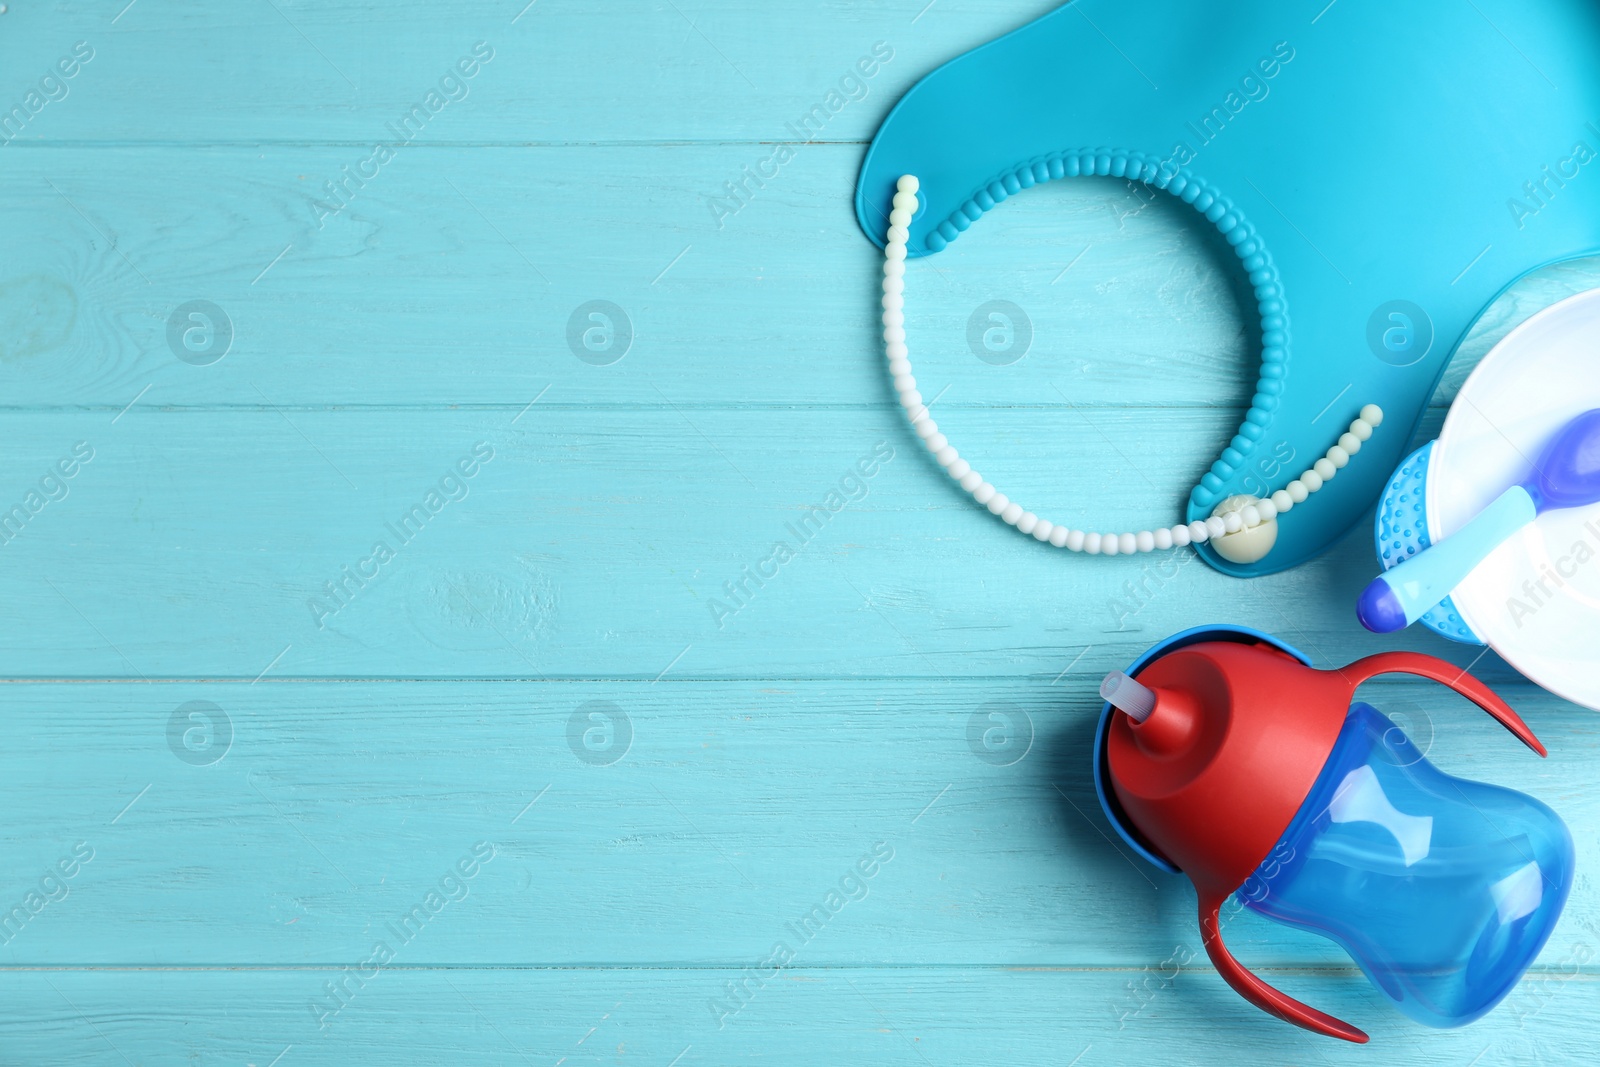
(1383, 171)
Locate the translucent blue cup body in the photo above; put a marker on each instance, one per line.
(1443, 890)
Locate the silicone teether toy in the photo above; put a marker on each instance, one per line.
(1234, 762)
(1379, 191)
(1566, 475)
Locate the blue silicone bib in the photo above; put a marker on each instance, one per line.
(1382, 170)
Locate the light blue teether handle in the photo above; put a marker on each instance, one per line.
(1399, 597)
(1567, 475)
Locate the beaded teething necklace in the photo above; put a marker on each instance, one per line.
(1235, 515)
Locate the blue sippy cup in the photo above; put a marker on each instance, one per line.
(1223, 755)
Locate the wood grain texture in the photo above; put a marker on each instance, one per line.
(273, 743)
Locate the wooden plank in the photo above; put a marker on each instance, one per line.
(671, 824)
(460, 276)
(558, 71)
(910, 1016)
(609, 544)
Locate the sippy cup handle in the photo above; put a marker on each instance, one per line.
(1257, 992)
(1445, 674)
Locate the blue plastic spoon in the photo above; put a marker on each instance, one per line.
(1566, 476)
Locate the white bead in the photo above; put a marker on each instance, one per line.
(894, 268)
(899, 234)
(905, 201)
(1325, 468)
(1061, 537)
(947, 456)
(927, 428)
(1338, 457)
(1091, 543)
(894, 317)
(983, 492)
(912, 402)
(1216, 527)
(1232, 522)
(894, 285)
(908, 183)
(1074, 539)
(971, 480)
(1297, 491)
(1179, 535)
(1127, 544)
(1110, 544)
(1361, 429)
(1250, 515)
(960, 469)
(904, 383)
(1012, 515)
(893, 301)
(1282, 501)
(997, 503)
(1311, 480)
(900, 217)
(937, 443)
(894, 335)
(899, 366)
(1027, 522)
(1372, 415)
(896, 350)
(1146, 541)
(1043, 531)
(1199, 532)
(1350, 443)
(896, 253)
(1266, 509)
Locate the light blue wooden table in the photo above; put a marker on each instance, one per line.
(283, 282)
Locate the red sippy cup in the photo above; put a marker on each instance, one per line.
(1222, 754)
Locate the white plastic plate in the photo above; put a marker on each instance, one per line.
(1536, 599)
